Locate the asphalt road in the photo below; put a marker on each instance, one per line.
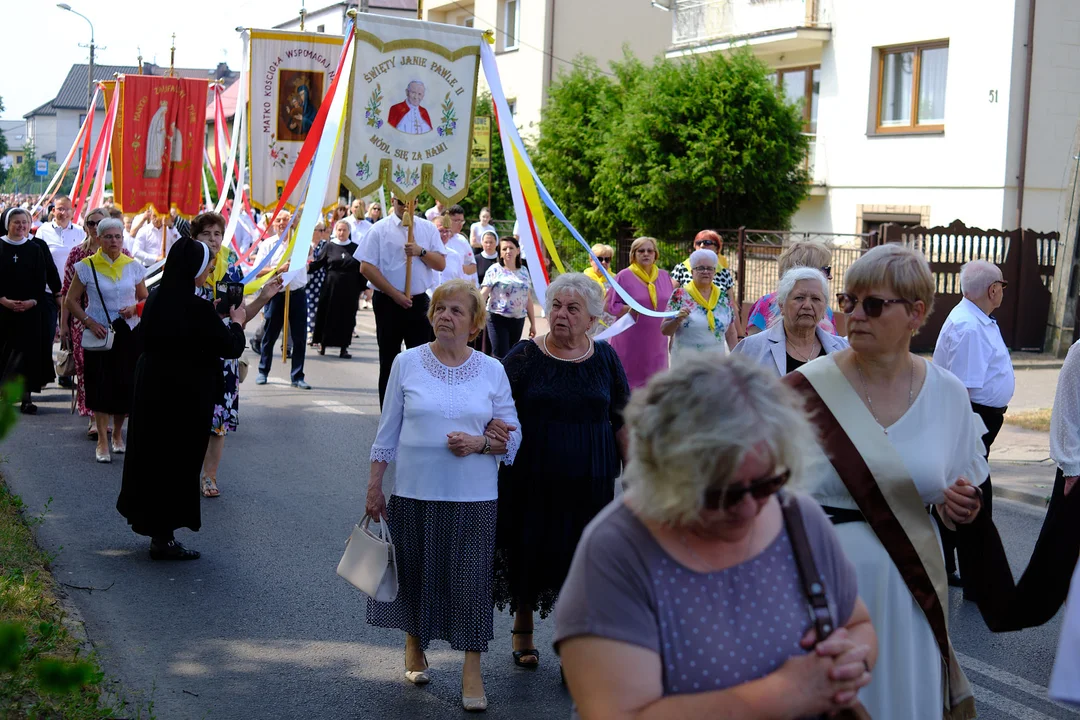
(262, 627)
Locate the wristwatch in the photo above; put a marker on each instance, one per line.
(423, 252)
(487, 446)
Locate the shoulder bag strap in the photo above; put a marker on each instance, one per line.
(813, 586)
(97, 286)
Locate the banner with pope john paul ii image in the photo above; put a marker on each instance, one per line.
(411, 108)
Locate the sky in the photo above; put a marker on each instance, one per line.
(49, 38)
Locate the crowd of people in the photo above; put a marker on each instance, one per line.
(766, 467)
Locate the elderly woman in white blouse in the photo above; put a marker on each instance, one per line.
(449, 411)
(802, 296)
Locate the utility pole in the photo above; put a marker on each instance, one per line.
(90, 78)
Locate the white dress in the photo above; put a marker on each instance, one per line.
(424, 401)
(940, 440)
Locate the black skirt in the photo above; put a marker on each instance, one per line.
(110, 376)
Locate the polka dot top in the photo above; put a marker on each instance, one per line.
(712, 630)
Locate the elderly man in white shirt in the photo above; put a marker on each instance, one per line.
(359, 225)
(970, 346)
(383, 255)
(154, 237)
(275, 313)
(61, 236)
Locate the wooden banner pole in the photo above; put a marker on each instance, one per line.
(410, 210)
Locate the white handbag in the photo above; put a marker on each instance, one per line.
(369, 563)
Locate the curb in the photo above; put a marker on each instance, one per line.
(1051, 365)
(1022, 496)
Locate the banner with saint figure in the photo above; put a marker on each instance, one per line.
(158, 144)
(411, 108)
(290, 74)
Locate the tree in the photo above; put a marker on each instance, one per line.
(502, 202)
(3, 146)
(583, 107)
(708, 142)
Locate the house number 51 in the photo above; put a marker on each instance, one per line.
(993, 96)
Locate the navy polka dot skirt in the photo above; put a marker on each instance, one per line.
(445, 551)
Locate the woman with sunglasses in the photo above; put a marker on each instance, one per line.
(898, 438)
(706, 240)
(605, 254)
(802, 253)
(684, 598)
(802, 297)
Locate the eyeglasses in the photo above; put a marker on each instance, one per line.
(112, 237)
(1004, 283)
(704, 268)
(606, 259)
(827, 272)
(759, 490)
(91, 223)
(706, 243)
(872, 306)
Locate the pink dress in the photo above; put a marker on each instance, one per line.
(643, 349)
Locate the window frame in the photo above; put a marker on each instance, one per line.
(913, 127)
(515, 31)
(808, 87)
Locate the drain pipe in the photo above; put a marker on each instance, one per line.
(1020, 180)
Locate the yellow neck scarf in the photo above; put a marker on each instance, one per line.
(221, 266)
(591, 272)
(709, 305)
(109, 268)
(648, 278)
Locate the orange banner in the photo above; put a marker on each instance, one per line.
(158, 144)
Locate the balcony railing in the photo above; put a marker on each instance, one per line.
(697, 21)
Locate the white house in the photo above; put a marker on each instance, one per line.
(923, 111)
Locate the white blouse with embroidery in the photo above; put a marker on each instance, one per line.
(426, 400)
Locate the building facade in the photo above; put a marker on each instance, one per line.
(15, 135)
(333, 18)
(537, 39)
(921, 112)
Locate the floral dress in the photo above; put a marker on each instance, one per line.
(314, 288)
(693, 333)
(226, 408)
(510, 291)
(77, 255)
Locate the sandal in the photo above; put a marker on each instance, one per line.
(419, 677)
(520, 655)
(91, 432)
(209, 487)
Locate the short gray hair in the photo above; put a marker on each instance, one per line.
(704, 255)
(110, 224)
(794, 275)
(681, 447)
(977, 276)
(576, 283)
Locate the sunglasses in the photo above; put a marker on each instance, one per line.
(91, 223)
(827, 272)
(871, 305)
(759, 490)
(705, 243)
(606, 259)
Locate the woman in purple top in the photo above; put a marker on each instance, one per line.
(684, 598)
(643, 349)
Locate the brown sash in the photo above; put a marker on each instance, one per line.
(884, 517)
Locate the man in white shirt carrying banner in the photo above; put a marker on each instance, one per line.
(970, 346)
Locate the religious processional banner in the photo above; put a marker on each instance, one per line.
(411, 108)
(158, 144)
(290, 74)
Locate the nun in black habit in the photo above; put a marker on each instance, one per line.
(25, 351)
(177, 381)
(339, 299)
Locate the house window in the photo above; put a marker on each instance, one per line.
(320, 28)
(801, 85)
(18, 159)
(511, 23)
(911, 88)
(82, 119)
(512, 104)
(469, 21)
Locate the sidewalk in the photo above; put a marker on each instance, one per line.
(1020, 466)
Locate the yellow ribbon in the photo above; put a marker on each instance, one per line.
(591, 272)
(709, 305)
(648, 278)
(109, 268)
(221, 266)
(532, 199)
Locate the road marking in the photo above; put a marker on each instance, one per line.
(335, 406)
(1006, 678)
(1007, 706)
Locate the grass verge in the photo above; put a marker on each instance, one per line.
(43, 672)
(1030, 419)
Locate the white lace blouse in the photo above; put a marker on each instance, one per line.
(425, 400)
(1065, 418)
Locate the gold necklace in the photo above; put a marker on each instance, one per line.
(870, 402)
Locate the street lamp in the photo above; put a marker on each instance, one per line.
(90, 82)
